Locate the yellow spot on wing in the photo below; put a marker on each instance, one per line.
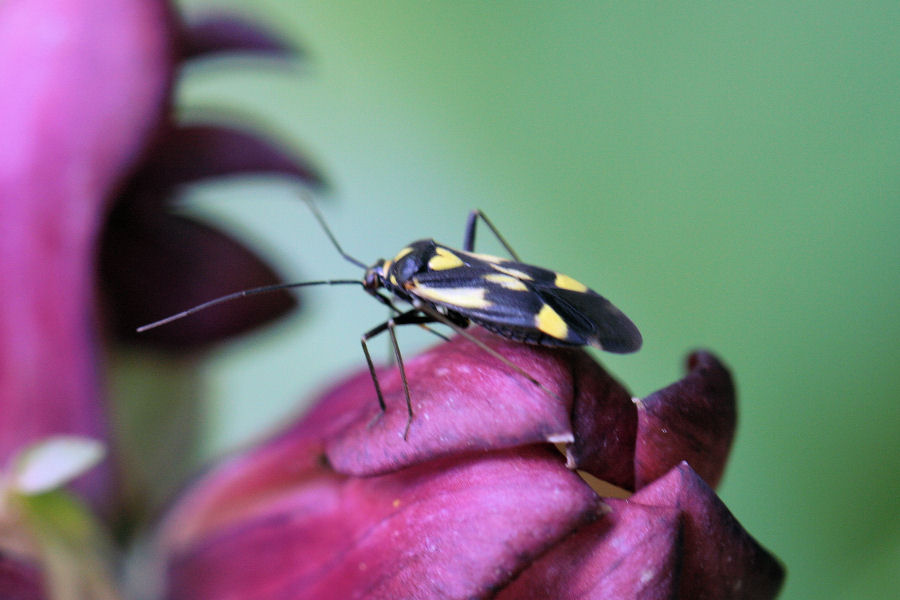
(513, 272)
(402, 253)
(567, 283)
(443, 259)
(486, 257)
(466, 297)
(549, 321)
(510, 283)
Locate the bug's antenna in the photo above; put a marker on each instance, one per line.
(251, 292)
(315, 210)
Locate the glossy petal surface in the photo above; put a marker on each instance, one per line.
(466, 400)
(455, 528)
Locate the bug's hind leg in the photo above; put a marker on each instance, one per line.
(469, 241)
(411, 317)
(460, 329)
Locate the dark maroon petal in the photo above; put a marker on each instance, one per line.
(693, 419)
(158, 264)
(194, 152)
(605, 422)
(632, 552)
(19, 581)
(719, 558)
(224, 32)
(154, 264)
(84, 86)
(455, 528)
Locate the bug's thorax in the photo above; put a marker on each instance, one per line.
(399, 272)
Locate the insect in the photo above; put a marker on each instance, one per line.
(512, 299)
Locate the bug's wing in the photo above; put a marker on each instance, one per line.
(527, 303)
(595, 318)
(590, 317)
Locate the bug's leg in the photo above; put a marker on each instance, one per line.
(429, 311)
(366, 337)
(399, 358)
(424, 325)
(469, 241)
(411, 317)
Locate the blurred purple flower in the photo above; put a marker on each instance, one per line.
(20, 580)
(89, 157)
(477, 503)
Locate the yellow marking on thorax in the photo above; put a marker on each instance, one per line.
(567, 283)
(510, 283)
(549, 321)
(386, 267)
(402, 253)
(443, 259)
(468, 297)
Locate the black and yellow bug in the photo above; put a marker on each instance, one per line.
(512, 299)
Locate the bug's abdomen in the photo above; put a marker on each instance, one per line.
(525, 335)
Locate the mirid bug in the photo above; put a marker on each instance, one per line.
(512, 299)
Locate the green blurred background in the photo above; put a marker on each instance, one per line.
(727, 174)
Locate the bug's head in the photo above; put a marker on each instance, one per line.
(374, 277)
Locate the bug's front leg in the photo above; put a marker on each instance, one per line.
(411, 317)
(469, 241)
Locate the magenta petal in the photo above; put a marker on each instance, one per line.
(19, 581)
(193, 152)
(224, 32)
(673, 539)
(452, 528)
(466, 400)
(632, 552)
(463, 400)
(156, 264)
(693, 419)
(720, 559)
(84, 84)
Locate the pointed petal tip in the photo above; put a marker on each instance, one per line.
(693, 419)
(221, 32)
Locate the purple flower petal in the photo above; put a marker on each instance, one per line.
(224, 32)
(456, 527)
(720, 559)
(190, 153)
(154, 264)
(673, 539)
(632, 552)
(19, 580)
(160, 266)
(693, 419)
(463, 400)
(85, 82)
(605, 422)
